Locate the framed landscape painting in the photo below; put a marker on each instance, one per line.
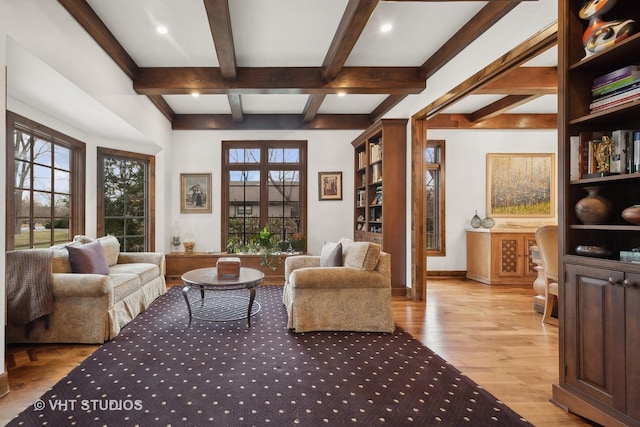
(195, 193)
(521, 185)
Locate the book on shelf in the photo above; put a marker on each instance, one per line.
(622, 156)
(375, 151)
(362, 159)
(585, 161)
(626, 99)
(618, 84)
(616, 94)
(376, 172)
(616, 75)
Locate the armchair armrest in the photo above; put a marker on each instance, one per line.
(296, 262)
(81, 285)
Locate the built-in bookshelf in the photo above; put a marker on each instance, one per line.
(599, 287)
(380, 196)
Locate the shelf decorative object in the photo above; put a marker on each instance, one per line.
(476, 221)
(632, 214)
(488, 222)
(601, 34)
(594, 208)
(594, 251)
(188, 242)
(175, 236)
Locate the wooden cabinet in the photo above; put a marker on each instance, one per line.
(599, 311)
(602, 343)
(380, 193)
(178, 263)
(501, 256)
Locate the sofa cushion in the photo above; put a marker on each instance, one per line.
(60, 261)
(88, 259)
(363, 255)
(124, 284)
(146, 271)
(331, 254)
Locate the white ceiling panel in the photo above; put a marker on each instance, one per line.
(273, 104)
(203, 104)
(350, 104)
(134, 23)
(418, 30)
(284, 33)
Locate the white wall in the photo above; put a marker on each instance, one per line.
(465, 181)
(57, 75)
(200, 152)
(78, 90)
(3, 181)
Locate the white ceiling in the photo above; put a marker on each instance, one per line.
(298, 33)
(276, 33)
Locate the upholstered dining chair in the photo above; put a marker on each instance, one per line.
(547, 241)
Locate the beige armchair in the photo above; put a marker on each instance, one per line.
(341, 298)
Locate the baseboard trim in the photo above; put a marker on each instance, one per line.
(4, 384)
(443, 274)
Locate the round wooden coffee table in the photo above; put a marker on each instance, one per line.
(226, 308)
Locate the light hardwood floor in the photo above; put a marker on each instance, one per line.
(490, 333)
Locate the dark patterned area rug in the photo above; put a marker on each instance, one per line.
(160, 372)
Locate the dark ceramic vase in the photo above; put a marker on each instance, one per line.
(593, 209)
(632, 214)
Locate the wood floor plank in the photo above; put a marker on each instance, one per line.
(491, 333)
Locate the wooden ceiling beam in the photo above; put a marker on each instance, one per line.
(523, 81)
(278, 80)
(530, 48)
(93, 25)
(163, 106)
(501, 106)
(386, 105)
(220, 26)
(477, 25)
(235, 103)
(481, 22)
(270, 122)
(503, 121)
(89, 20)
(312, 107)
(354, 19)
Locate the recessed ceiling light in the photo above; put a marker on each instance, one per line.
(386, 28)
(162, 29)
(195, 94)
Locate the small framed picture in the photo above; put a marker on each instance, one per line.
(195, 193)
(330, 185)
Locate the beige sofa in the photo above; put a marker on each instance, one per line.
(92, 308)
(355, 296)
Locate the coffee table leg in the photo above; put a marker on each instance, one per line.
(185, 290)
(252, 296)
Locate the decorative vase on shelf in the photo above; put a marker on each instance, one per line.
(594, 208)
(632, 214)
(175, 237)
(476, 221)
(188, 242)
(488, 222)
